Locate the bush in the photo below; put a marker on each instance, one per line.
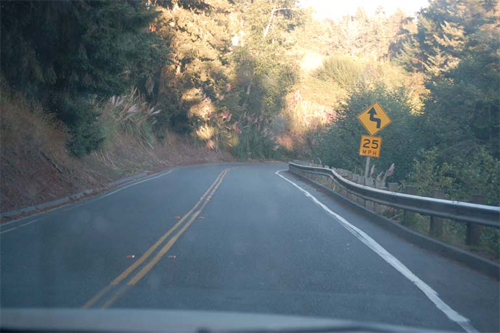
(128, 114)
(428, 175)
(82, 121)
(338, 143)
(461, 177)
(343, 70)
(61, 54)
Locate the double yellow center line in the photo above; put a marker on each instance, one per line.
(114, 291)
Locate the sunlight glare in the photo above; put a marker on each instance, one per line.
(338, 9)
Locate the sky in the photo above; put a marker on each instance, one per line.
(338, 8)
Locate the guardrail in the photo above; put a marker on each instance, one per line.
(474, 214)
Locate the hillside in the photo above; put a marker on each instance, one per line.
(36, 166)
(110, 88)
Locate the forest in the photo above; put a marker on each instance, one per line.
(265, 80)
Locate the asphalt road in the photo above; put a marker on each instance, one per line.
(235, 237)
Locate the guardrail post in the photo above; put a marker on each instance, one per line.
(415, 205)
(393, 187)
(473, 235)
(351, 195)
(361, 181)
(369, 204)
(409, 217)
(436, 227)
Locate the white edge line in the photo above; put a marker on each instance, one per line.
(20, 226)
(11, 229)
(394, 262)
(127, 186)
(70, 207)
(75, 206)
(31, 216)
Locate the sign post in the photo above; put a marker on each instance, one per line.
(367, 167)
(373, 119)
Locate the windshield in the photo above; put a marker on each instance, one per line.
(314, 158)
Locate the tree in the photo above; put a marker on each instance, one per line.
(338, 143)
(65, 53)
(448, 31)
(200, 46)
(462, 110)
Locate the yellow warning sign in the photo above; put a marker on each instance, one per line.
(370, 146)
(374, 118)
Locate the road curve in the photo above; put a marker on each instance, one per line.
(241, 238)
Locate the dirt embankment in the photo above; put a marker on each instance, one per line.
(35, 166)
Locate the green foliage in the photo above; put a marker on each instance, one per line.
(196, 5)
(253, 146)
(461, 177)
(448, 31)
(342, 70)
(128, 114)
(70, 53)
(378, 37)
(476, 174)
(428, 175)
(228, 73)
(338, 144)
(81, 120)
(460, 121)
(462, 110)
(199, 42)
(64, 53)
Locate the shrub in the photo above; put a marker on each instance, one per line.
(128, 114)
(82, 121)
(343, 70)
(338, 143)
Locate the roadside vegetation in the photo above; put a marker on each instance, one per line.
(255, 80)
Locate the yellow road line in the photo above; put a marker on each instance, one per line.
(146, 255)
(165, 248)
(162, 252)
(115, 297)
(97, 297)
(162, 239)
(171, 242)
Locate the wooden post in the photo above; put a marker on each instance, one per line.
(409, 217)
(473, 235)
(352, 196)
(436, 228)
(361, 181)
(393, 187)
(369, 204)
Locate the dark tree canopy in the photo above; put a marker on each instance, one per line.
(63, 53)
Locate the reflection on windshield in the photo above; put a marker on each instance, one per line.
(250, 157)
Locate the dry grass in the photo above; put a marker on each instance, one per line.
(35, 165)
(25, 125)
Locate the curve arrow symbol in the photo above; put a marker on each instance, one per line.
(372, 114)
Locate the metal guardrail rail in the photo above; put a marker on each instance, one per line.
(455, 210)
